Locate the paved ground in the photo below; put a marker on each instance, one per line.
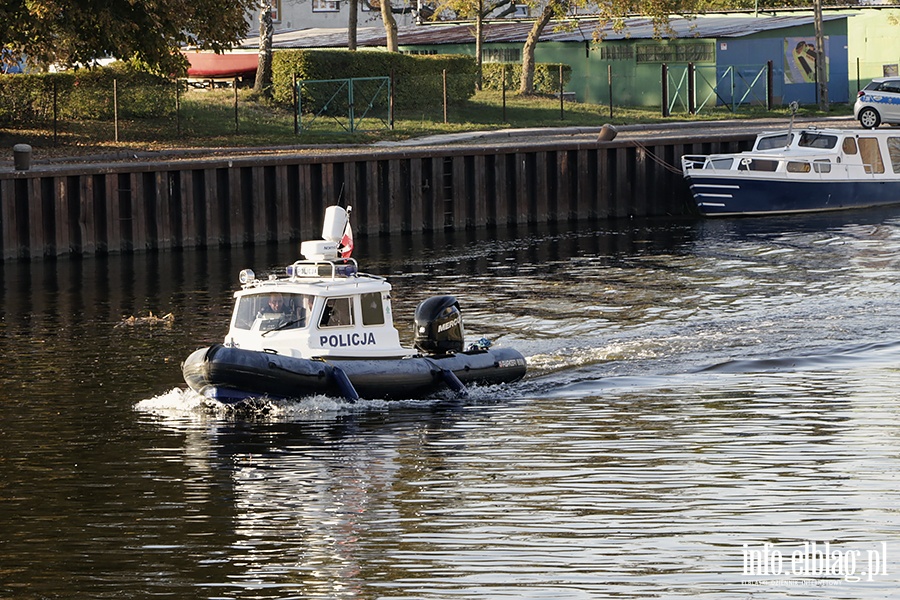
(500, 138)
(549, 134)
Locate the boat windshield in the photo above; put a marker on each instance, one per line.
(812, 139)
(774, 141)
(272, 310)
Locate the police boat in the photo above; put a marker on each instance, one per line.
(324, 327)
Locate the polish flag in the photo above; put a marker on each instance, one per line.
(346, 246)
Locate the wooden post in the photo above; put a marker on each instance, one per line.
(177, 108)
(392, 85)
(116, 110)
(56, 112)
(692, 102)
(235, 84)
(561, 113)
(444, 75)
(503, 91)
(665, 90)
(609, 83)
(294, 98)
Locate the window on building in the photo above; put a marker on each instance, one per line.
(276, 11)
(616, 52)
(501, 55)
(326, 5)
(675, 53)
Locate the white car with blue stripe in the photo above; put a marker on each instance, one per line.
(879, 102)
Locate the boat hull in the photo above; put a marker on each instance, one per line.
(232, 374)
(730, 196)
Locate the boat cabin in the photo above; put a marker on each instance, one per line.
(820, 153)
(318, 308)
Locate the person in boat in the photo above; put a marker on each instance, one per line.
(277, 305)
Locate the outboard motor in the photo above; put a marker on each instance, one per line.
(439, 326)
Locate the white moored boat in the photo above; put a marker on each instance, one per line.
(323, 327)
(794, 171)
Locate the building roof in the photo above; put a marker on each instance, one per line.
(515, 31)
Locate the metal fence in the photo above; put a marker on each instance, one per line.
(693, 89)
(355, 104)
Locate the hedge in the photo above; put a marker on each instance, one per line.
(418, 81)
(85, 94)
(546, 76)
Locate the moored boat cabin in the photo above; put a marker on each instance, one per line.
(820, 153)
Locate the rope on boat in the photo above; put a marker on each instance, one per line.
(656, 159)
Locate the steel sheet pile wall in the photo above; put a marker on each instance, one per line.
(51, 211)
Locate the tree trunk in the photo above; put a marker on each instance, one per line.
(390, 26)
(352, 23)
(479, 47)
(821, 60)
(526, 84)
(263, 83)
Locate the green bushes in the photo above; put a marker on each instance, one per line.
(418, 81)
(85, 94)
(546, 76)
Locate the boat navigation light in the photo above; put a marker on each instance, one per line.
(246, 276)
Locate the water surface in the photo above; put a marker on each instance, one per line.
(696, 390)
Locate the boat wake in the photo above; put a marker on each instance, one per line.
(831, 359)
(186, 404)
(582, 381)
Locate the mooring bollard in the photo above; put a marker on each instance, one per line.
(607, 133)
(21, 157)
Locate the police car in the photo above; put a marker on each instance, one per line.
(879, 102)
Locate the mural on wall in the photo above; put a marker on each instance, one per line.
(800, 59)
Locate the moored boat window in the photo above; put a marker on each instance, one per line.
(809, 139)
(893, 144)
(756, 164)
(849, 145)
(372, 308)
(795, 166)
(773, 141)
(822, 166)
(870, 153)
(722, 164)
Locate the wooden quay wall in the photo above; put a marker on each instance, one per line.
(53, 210)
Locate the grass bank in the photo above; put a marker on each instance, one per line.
(221, 119)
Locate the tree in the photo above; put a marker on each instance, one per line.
(390, 26)
(263, 83)
(71, 32)
(352, 24)
(551, 9)
(612, 14)
(821, 64)
(478, 10)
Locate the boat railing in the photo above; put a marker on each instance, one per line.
(325, 268)
(693, 161)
